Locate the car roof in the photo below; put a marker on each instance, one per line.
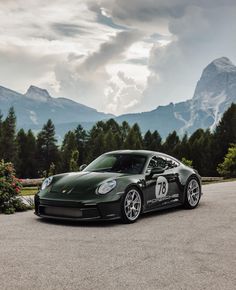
(147, 153)
(133, 152)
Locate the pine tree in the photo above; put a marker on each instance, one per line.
(114, 131)
(26, 165)
(22, 151)
(147, 140)
(47, 151)
(206, 147)
(171, 144)
(124, 132)
(81, 139)
(156, 142)
(113, 126)
(96, 142)
(7, 141)
(110, 141)
(134, 138)
(184, 150)
(224, 135)
(69, 146)
(74, 161)
(196, 150)
(32, 162)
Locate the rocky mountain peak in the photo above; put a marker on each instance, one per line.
(217, 66)
(223, 64)
(216, 77)
(37, 93)
(214, 93)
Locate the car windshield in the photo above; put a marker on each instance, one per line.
(122, 163)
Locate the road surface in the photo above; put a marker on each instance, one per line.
(172, 249)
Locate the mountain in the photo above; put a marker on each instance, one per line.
(214, 93)
(36, 106)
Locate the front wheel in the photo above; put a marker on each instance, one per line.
(192, 193)
(131, 206)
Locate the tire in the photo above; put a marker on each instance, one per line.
(131, 205)
(192, 193)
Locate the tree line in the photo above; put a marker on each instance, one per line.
(37, 156)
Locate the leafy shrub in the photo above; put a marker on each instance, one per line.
(187, 162)
(10, 187)
(228, 167)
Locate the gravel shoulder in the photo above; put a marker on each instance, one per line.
(172, 249)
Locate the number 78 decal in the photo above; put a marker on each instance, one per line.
(161, 189)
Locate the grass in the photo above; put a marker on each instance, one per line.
(29, 190)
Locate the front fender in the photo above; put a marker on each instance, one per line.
(124, 182)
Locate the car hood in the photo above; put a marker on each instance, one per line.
(79, 185)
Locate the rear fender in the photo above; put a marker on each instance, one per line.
(187, 181)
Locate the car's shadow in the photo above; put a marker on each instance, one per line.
(112, 223)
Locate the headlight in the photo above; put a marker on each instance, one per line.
(46, 182)
(106, 187)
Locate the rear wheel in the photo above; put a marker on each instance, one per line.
(192, 194)
(131, 206)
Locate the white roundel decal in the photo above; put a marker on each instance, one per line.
(161, 187)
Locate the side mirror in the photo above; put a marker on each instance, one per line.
(82, 167)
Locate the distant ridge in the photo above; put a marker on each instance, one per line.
(214, 93)
(36, 106)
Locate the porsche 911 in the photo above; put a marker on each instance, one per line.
(119, 185)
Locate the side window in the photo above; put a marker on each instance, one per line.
(157, 161)
(171, 163)
(162, 162)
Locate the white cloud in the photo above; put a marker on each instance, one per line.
(88, 79)
(122, 94)
(110, 51)
(19, 67)
(201, 35)
(115, 55)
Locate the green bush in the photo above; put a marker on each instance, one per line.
(187, 162)
(228, 167)
(10, 187)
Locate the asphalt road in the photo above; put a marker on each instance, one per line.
(172, 249)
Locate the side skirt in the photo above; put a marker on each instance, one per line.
(171, 205)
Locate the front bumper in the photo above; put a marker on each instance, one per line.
(75, 210)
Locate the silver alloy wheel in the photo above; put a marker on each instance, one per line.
(193, 192)
(132, 204)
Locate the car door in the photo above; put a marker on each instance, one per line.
(161, 188)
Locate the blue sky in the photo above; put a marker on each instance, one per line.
(117, 56)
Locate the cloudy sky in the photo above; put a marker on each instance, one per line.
(117, 56)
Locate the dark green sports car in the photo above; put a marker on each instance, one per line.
(119, 184)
